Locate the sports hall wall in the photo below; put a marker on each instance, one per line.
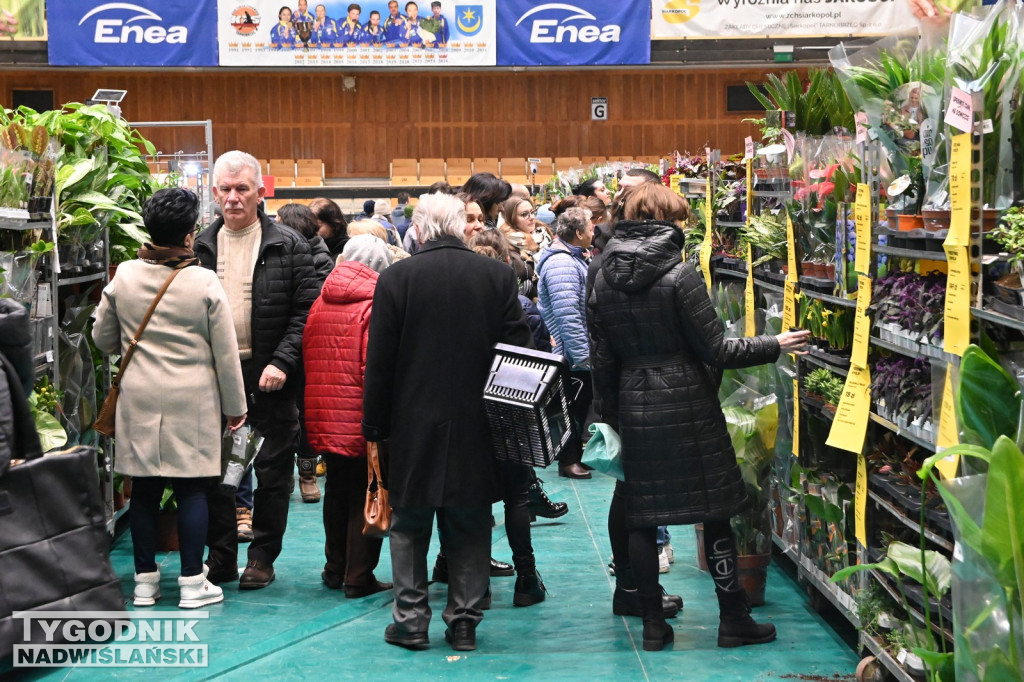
(287, 114)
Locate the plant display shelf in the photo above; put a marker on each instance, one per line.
(902, 433)
(917, 352)
(772, 194)
(827, 298)
(998, 318)
(909, 253)
(116, 516)
(815, 406)
(17, 224)
(887, 584)
(83, 279)
(840, 599)
(789, 552)
(730, 224)
(901, 516)
(768, 286)
(898, 672)
(726, 272)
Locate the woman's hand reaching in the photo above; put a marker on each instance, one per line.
(793, 342)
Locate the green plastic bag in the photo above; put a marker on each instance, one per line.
(604, 451)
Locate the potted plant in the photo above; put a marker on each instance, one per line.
(1010, 236)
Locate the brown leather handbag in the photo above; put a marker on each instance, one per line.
(376, 510)
(105, 421)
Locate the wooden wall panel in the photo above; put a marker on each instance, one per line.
(285, 114)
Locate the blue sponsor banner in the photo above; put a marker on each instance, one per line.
(575, 33)
(137, 33)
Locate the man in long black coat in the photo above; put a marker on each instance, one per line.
(436, 317)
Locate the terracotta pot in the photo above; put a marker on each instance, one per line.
(909, 222)
(126, 487)
(893, 218)
(935, 220)
(752, 573)
(785, 270)
(830, 271)
(989, 219)
(167, 532)
(118, 500)
(702, 561)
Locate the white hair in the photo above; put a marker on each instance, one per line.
(437, 215)
(574, 220)
(235, 161)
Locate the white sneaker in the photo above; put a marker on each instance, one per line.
(669, 552)
(147, 588)
(197, 591)
(663, 563)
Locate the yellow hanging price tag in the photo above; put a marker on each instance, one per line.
(796, 417)
(957, 322)
(750, 328)
(862, 220)
(750, 189)
(861, 501)
(709, 226)
(674, 183)
(861, 323)
(948, 431)
(960, 191)
(851, 421)
(789, 305)
(791, 249)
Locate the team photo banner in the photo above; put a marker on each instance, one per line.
(605, 32)
(138, 33)
(674, 19)
(347, 34)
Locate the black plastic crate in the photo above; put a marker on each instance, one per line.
(527, 402)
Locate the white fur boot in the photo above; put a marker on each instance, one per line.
(197, 591)
(147, 588)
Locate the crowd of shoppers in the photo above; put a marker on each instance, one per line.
(327, 337)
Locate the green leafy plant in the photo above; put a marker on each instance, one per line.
(51, 433)
(752, 431)
(825, 384)
(820, 107)
(767, 234)
(1010, 235)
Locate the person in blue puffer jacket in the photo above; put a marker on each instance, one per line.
(561, 286)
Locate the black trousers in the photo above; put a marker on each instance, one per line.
(516, 480)
(573, 451)
(275, 416)
(350, 554)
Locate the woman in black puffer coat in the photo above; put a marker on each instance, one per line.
(657, 353)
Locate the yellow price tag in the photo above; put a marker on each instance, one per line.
(948, 432)
(796, 417)
(789, 305)
(675, 184)
(960, 191)
(791, 248)
(862, 219)
(750, 189)
(709, 225)
(957, 323)
(860, 508)
(861, 323)
(851, 422)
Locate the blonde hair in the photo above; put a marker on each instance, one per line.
(367, 226)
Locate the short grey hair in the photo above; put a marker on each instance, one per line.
(573, 220)
(437, 215)
(236, 161)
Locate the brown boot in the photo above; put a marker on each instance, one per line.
(308, 488)
(243, 517)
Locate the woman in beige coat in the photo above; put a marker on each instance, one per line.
(185, 373)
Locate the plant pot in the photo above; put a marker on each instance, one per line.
(126, 487)
(909, 222)
(702, 561)
(935, 220)
(989, 219)
(893, 219)
(752, 573)
(830, 271)
(118, 500)
(167, 532)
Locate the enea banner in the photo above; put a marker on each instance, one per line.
(347, 34)
(533, 33)
(674, 19)
(138, 33)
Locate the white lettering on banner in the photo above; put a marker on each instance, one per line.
(555, 31)
(116, 31)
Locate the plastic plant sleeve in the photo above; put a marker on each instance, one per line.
(77, 375)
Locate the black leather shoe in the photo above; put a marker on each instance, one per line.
(574, 471)
(257, 575)
(499, 569)
(332, 580)
(221, 574)
(627, 603)
(541, 505)
(417, 641)
(360, 591)
(461, 635)
(530, 590)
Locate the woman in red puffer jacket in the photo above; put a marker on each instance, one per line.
(334, 357)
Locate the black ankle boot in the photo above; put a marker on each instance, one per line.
(657, 633)
(530, 590)
(541, 505)
(626, 600)
(735, 626)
